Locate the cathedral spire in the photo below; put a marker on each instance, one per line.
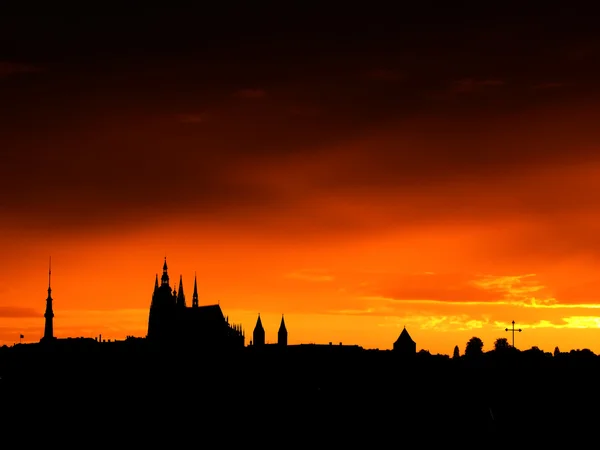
(180, 294)
(49, 314)
(195, 295)
(165, 275)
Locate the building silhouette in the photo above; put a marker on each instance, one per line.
(171, 321)
(49, 313)
(258, 335)
(282, 334)
(404, 344)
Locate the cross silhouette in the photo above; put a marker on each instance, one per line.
(513, 332)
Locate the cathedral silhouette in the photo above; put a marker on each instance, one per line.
(172, 321)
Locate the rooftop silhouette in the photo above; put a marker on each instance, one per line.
(330, 382)
(378, 225)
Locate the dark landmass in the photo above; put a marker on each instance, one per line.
(302, 393)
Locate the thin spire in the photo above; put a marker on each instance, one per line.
(180, 294)
(49, 271)
(195, 295)
(165, 275)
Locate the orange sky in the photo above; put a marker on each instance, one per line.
(354, 195)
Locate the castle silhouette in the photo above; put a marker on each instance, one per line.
(171, 322)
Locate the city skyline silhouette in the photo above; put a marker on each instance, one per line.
(172, 321)
(320, 384)
(354, 169)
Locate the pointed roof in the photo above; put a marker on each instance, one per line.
(212, 313)
(259, 325)
(404, 336)
(195, 286)
(282, 325)
(165, 265)
(180, 290)
(156, 282)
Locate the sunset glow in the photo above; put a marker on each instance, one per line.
(356, 192)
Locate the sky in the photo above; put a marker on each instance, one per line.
(357, 169)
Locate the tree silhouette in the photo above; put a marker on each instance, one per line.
(474, 347)
(456, 353)
(501, 344)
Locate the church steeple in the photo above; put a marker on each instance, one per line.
(259, 333)
(282, 334)
(164, 280)
(195, 295)
(156, 283)
(49, 314)
(180, 294)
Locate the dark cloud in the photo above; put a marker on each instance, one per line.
(548, 85)
(12, 68)
(387, 75)
(250, 93)
(13, 312)
(191, 118)
(470, 85)
(132, 126)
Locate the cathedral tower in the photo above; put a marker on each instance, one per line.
(164, 279)
(49, 314)
(259, 333)
(162, 308)
(282, 334)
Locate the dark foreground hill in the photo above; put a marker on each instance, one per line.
(174, 399)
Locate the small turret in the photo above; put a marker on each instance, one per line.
(259, 333)
(405, 344)
(282, 334)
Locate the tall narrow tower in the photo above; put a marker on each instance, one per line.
(282, 334)
(49, 314)
(195, 295)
